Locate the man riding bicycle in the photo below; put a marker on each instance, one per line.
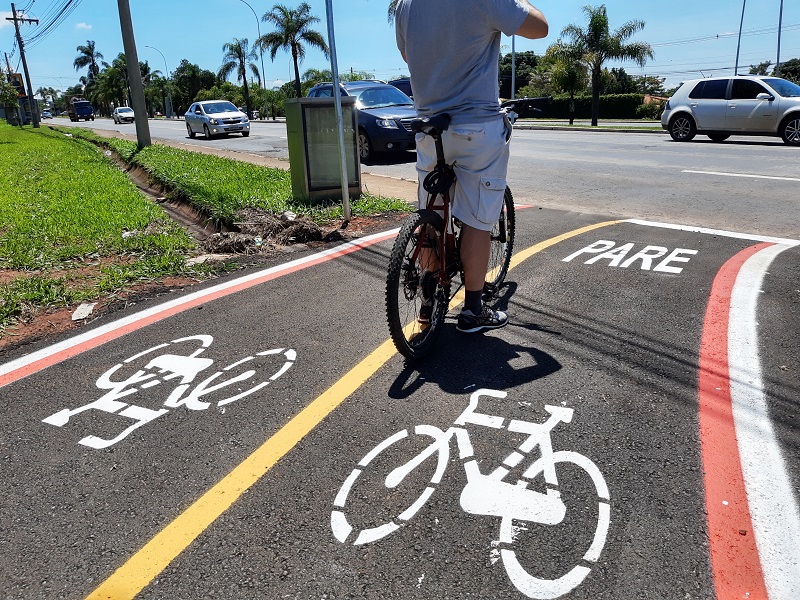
(452, 49)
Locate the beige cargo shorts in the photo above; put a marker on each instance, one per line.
(480, 152)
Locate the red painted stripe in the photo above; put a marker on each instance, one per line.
(146, 320)
(734, 555)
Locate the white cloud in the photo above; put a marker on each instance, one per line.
(3, 22)
(83, 26)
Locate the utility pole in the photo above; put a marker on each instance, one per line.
(134, 75)
(780, 26)
(739, 45)
(31, 99)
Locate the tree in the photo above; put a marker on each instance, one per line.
(188, 80)
(225, 91)
(88, 56)
(617, 81)
(761, 68)
(238, 56)
(789, 70)
(9, 99)
(650, 84)
(314, 76)
(596, 44)
(293, 34)
(526, 63)
(569, 73)
(274, 101)
(392, 10)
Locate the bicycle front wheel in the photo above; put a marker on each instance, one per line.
(390, 485)
(416, 303)
(502, 244)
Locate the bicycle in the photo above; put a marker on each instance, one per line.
(516, 504)
(409, 284)
(177, 362)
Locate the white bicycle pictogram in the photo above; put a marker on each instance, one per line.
(489, 495)
(177, 362)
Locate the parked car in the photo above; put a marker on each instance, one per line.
(216, 117)
(384, 113)
(123, 114)
(46, 114)
(404, 85)
(742, 105)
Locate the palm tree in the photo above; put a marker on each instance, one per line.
(568, 73)
(595, 45)
(392, 10)
(291, 35)
(88, 56)
(238, 56)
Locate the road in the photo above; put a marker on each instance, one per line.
(742, 184)
(631, 434)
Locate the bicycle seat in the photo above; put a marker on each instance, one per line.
(430, 125)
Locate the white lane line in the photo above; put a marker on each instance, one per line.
(717, 232)
(747, 175)
(31, 363)
(773, 507)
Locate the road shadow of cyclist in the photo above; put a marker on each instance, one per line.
(463, 363)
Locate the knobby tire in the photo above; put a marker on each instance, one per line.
(502, 244)
(403, 290)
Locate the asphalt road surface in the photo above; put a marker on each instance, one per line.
(631, 434)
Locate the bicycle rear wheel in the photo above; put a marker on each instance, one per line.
(404, 287)
(502, 244)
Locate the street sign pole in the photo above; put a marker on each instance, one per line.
(337, 95)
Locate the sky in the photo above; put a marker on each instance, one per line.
(690, 38)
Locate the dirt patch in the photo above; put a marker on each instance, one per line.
(40, 324)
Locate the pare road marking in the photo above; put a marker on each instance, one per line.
(617, 255)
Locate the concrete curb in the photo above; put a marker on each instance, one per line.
(523, 126)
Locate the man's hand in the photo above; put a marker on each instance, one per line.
(534, 26)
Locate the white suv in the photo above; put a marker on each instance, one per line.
(743, 105)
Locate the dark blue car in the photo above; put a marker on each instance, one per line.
(384, 113)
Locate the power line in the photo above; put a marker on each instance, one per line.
(54, 17)
(750, 32)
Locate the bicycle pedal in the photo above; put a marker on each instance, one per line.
(490, 291)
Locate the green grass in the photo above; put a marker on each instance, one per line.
(64, 207)
(222, 186)
(63, 211)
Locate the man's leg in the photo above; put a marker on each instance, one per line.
(475, 248)
(475, 245)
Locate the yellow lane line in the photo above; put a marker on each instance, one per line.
(144, 566)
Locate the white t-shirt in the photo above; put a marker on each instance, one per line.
(453, 49)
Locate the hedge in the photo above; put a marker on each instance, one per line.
(613, 106)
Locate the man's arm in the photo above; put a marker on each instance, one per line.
(534, 26)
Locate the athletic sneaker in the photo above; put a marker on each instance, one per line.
(469, 322)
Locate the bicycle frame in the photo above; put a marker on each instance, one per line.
(489, 495)
(447, 242)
